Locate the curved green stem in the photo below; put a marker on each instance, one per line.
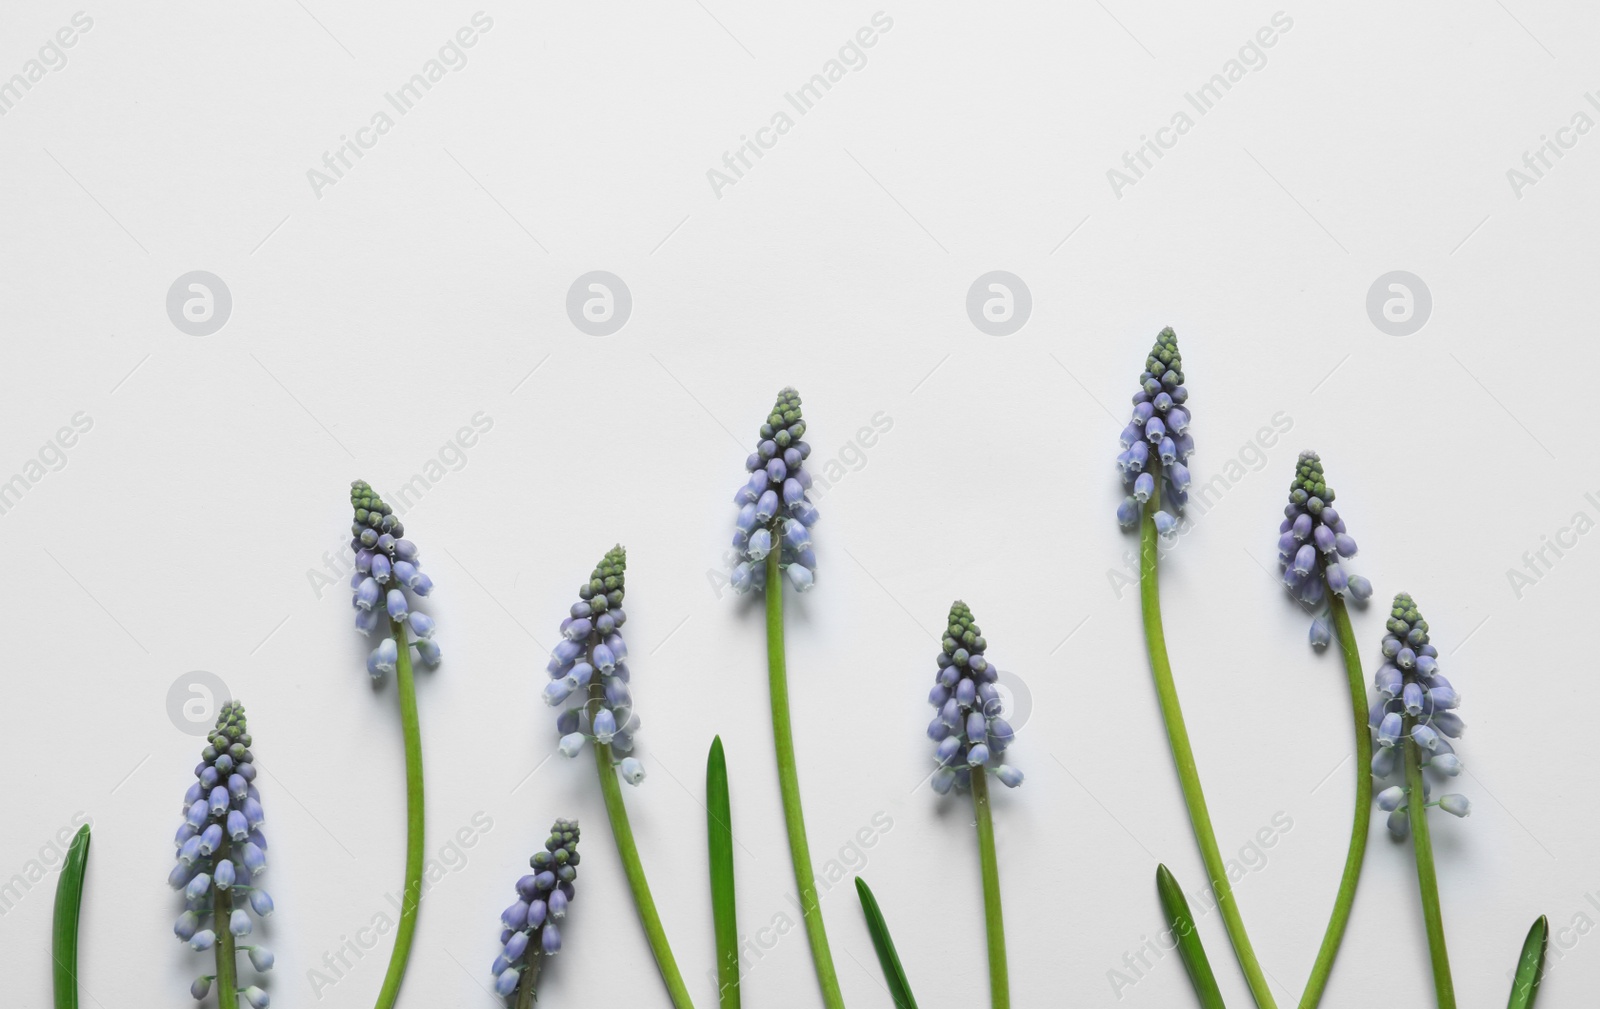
(1427, 879)
(1183, 754)
(1359, 827)
(789, 785)
(628, 851)
(411, 899)
(227, 982)
(999, 978)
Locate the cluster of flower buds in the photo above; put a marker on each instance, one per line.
(221, 850)
(1311, 541)
(1157, 439)
(386, 569)
(969, 730)
(542, 897)
(774, 512)
(589, 668)
(1415, 704)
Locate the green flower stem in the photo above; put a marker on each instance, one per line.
(1359, 827)
(530, 979)
(649, 919)
(227, 982)
(789, 785)
(999, 978)
(412, 897)
(1183, 754)
(1427, 879)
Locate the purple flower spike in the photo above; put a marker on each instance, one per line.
(969, 731)
(1414, 702)
(395, 575)
(217, 859)
(780, 483)
(590, 671)
(1159, 422)
(1313, 568)
(529, 927)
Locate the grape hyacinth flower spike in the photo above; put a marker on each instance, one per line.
(589, 670)
(589, 681)
(971, 737)
(773, 529)
(1312, 546)
(1414, 720)
(1156, 445)
(532, 924)
(772, 538)
(1312, 549)
(388, 573)
(220, 854)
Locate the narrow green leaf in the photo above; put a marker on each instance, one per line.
(64, 928)
(1530, 966)
(893, 973)
(1175, 911)
(719, 841)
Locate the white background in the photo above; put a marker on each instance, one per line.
(371, 322)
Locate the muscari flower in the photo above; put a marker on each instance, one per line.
(1414, 702)
(1311, 544)
(221, 850)
(774, 511)
(588, 668)
(1156, 441)
(530, 924)
(387, 570)
(968, 729)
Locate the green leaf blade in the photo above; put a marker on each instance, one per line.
(719, 843)
(64, 926)
(1530, 966)
(1175, 911)
(893, 973)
